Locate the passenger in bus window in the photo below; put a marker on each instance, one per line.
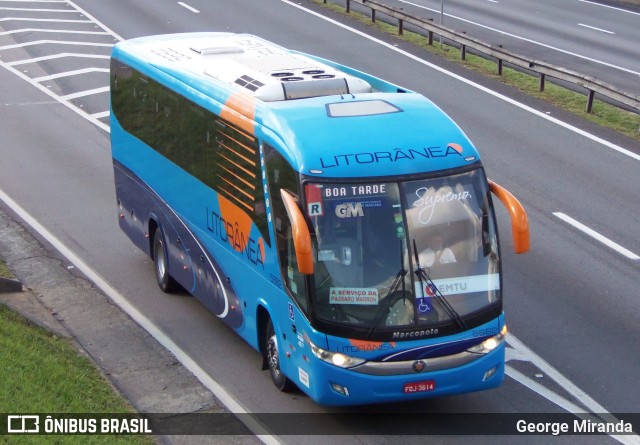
(436, 253)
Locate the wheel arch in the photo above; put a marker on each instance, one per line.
(262, 320)
(152, 226)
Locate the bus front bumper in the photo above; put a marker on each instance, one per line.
(332, 385)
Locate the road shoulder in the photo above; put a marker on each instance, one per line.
(62, 301)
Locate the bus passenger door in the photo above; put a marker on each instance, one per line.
(292, 307)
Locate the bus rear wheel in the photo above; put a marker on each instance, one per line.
(165, 281)
(272, 356)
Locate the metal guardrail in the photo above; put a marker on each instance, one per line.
(544, 69)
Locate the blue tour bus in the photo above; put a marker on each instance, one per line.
(342, 225)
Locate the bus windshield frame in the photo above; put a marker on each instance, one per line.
(395, 256)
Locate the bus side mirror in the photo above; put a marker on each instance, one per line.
(300, 233)
(519, 220)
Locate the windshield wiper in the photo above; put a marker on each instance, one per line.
(397, 281)
(425, 278)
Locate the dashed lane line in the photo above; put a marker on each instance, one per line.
(471, 83)
(525, 39)
(610, 7)
(523, 350)
(596, 29)
(597, 236)
(189, 7)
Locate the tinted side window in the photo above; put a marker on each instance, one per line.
(282, 176)
(212, 150)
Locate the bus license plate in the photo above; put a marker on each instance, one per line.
(413, 387)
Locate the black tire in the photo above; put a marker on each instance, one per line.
(272, 357)
(165, 281)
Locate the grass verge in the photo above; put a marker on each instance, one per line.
(603, 114)
(4, 271)
(42, 373)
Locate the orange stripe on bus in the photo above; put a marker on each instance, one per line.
(240, 110)
(240, 221)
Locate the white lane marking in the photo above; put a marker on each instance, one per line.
(95, 20)
(27, 19)
(71, 106)
(71, 73)
(190, 8)
(523, 352)
(101, 114)
(58, 56)
(38, 10)
(154, 330)
(545, 392)
(54, 96)
(54, 42)
(57, 31)
(597, 236)
(524, 39)
(520, 105)
(85, 93)
(567, 405)
(218, 390)
(595, 29)
(610, 7)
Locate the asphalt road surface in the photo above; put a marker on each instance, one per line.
(571, 302)
(599, 39)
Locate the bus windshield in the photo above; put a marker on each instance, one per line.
(412, 253)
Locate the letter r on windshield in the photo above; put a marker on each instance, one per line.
(315, 209)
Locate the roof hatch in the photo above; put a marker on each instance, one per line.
(270, 72)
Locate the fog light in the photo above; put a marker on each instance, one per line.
(489, 373)
(340, 389)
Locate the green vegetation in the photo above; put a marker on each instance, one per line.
(602, 113)
(42, 373)
(4, 272)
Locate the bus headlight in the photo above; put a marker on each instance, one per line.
(490, 343)
(335, 358)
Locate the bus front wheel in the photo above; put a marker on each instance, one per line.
(165, 281)
(273, 360)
